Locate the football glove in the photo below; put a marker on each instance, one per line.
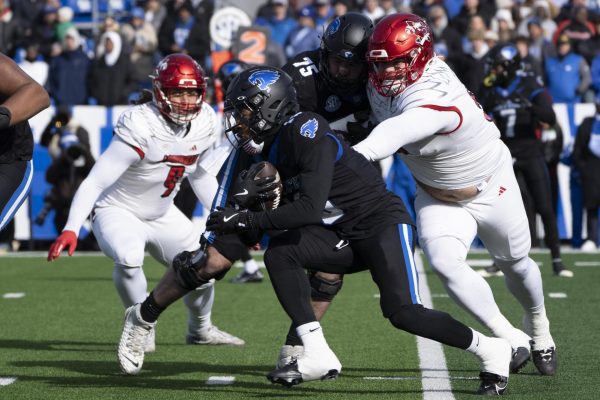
(250, 192)
(66, 240)
(229, 220)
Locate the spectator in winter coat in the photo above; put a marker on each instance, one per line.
(68, 74)
(112, 76)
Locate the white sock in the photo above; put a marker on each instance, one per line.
(537, 325)
(199, 303)
(312, 336)
(476, 343)
(130, 283)
(250, 266)
(502, 328)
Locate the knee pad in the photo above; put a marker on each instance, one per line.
(323, 289)
(186, 265)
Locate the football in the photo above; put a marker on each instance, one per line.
(265, 169)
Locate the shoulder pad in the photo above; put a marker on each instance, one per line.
(132, 127)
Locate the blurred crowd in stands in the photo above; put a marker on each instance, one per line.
(108, 62)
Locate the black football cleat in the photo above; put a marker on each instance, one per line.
(545, 360)
(290, 375)
(492, 384)
(287, 376)
(245, 277)
(519, 359)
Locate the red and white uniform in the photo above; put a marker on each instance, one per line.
(449, 144)
(132, 186)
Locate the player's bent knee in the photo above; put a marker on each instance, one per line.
(126, 271)
(324, 289)
(186, 265)
(410, 317)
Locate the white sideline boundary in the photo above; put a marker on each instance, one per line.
(435, 378)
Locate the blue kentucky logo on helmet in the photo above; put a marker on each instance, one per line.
(334, 26)
(309, 128)
(264, 78)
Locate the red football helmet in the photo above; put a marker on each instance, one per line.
(399, 37)
(178, 71)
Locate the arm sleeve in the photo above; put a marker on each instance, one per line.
(411, 126)
(204, 185)
(316, 174)
(109, 167)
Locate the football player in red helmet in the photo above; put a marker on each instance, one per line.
(453, 150)
(179, 86)
(399, 49)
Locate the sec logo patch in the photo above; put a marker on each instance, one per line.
(333, 103)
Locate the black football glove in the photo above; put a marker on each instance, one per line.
(229, 220)
(251, 193)
(357, 132)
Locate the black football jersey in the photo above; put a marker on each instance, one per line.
(518, 110)
(326, 182)
(16, 143)
(314, 94)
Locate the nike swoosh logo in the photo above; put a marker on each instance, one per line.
(227, 219)
(315, 329)
(341, 244)
(131, 361)
(245, 192)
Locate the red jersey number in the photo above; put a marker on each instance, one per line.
(175, 175)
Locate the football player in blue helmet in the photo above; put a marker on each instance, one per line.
(336, 216)
(331, 80)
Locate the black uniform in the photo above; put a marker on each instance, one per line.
(518, 110)
(314, 94)
(586, 158)
(16, 168)
(338, 217)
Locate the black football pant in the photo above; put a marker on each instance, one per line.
(15, 183)
(533, 178)
(387, 255)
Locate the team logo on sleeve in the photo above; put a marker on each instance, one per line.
(264, 78)
(309, 128)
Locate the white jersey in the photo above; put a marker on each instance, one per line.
(441, 131)
(168, 153)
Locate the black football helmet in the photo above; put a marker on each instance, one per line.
(501, 65)
(229, 70)
(257, 103)
(346, 37)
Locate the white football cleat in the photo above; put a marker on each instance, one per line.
(309, 366)
(288, 354)
(588, 246)
(213, 335)
(133, 340)
(150, 346)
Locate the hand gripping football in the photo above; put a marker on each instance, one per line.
(265, 169)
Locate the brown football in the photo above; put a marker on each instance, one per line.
(265, 169)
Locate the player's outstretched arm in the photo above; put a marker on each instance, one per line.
(24, 96)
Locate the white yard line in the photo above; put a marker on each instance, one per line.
(220, 380)
(7, 381)
(587, 263)
(435, 378)
(17, 295)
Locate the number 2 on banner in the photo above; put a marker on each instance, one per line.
(255, 46)
(175, 175)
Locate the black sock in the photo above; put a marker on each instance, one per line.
(292, 338)
(150, 310)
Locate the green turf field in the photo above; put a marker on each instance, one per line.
(59, 339)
